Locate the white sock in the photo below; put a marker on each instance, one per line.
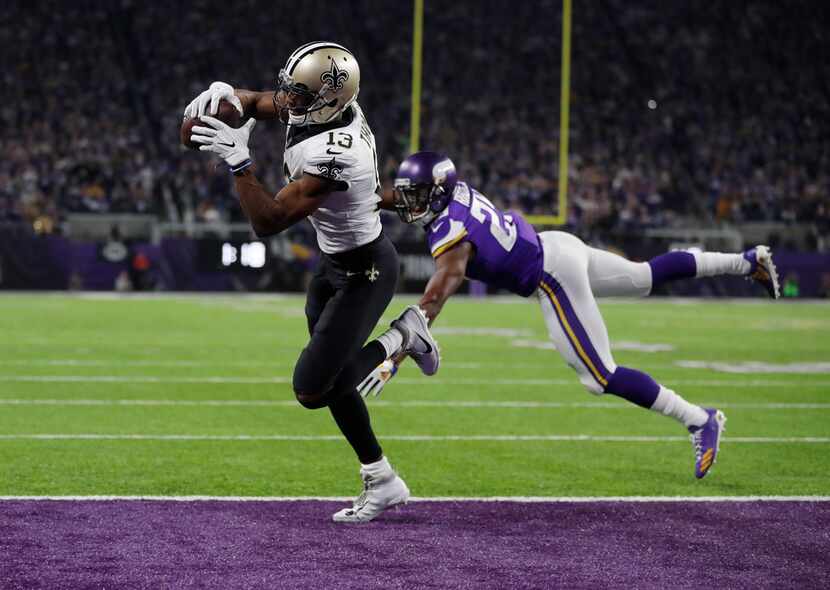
(391, 340)
(669, 403)
(710, 264)
(380, 467)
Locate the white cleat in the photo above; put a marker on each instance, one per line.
(379, 493)
(418, 343)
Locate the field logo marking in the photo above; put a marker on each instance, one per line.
(616, 345)
(756, 367)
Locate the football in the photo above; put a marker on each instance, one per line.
(227, 113)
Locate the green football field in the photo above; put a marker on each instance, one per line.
(191, 395)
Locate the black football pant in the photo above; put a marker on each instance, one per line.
(347, 296)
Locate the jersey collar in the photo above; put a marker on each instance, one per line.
(297, 134)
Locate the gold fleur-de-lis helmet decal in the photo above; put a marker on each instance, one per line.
(334, 77)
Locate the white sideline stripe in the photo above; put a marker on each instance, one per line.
(511, 499)
(409, 437)
(738, 383)
(403, 404)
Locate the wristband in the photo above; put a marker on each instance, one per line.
(236, 170)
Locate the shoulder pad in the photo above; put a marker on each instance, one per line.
(462, 194)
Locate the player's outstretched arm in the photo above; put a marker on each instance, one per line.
(297, 200)
(387, 200)
(449, 274)
(259, 105)
(268, 214)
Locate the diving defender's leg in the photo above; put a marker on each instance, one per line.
(613, 275)
(578, 331)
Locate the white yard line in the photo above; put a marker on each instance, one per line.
(139, 379)
(512, 499)
(516, 404)
(402, 299)
(139, 363)
(413, 438)
(219, 379)
(736, 367)
(460, 365)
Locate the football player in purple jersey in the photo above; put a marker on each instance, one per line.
(468, 236)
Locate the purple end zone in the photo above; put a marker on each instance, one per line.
(166, 544)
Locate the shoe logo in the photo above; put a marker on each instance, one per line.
(227, 144)
(427, 344)
(331, 153)
(706, 460)
(350, 274)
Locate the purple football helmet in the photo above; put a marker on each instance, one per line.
(424, 186)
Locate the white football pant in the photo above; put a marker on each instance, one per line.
(574, 274)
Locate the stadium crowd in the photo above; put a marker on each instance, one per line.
(679, 115)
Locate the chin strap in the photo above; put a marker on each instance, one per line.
(306, 119)
(427, 218)
(297, 120)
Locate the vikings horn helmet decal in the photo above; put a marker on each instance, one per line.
(424, 186)
(322, 79)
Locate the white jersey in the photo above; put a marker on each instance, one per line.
(344, 151)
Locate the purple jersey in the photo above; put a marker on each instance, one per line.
(508, 253)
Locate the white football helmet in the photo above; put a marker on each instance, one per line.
(320, 80)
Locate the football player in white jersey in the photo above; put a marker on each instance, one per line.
(332, 178)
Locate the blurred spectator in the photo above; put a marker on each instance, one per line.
(680, 113)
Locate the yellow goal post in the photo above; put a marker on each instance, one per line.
(561, 216)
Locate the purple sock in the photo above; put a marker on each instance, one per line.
(672, 266)
(633, 385)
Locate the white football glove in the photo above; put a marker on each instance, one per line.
(208, 101)
(230, 144)
(376, 380)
